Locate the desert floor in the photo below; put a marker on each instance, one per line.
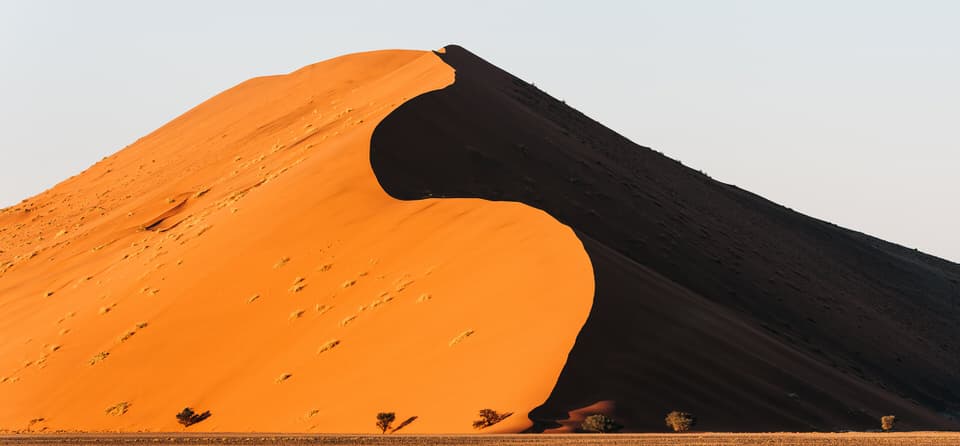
(693, 439)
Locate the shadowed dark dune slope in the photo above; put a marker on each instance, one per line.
(708, 298)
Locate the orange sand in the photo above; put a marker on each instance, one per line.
(182, 229)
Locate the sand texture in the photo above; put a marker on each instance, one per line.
(243, 259)
(709, 299)
(689, 439)
(425, 234)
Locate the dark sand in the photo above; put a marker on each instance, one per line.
(709, 299)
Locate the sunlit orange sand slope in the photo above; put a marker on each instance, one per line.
(243, 259)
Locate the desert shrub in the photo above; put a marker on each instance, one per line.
(489, 417)
(599, 423)
(887, 422)
(187, 417)
(384, 420)
(680, 421)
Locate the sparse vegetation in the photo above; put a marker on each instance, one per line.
(283, 377)
(887, 422)
(680, 421)
(600, 424)
(187, 417)
(489, 417)
(384, 420)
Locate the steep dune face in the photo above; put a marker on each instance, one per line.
(243, 259)
(708, 298)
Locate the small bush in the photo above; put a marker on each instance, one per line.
(187, 417)
(489, 417)
(599, 423)
(680, 421)
(887, 422)
(384, 420)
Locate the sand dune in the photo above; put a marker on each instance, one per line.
(212, 264)
(425, 234)
(708, 299)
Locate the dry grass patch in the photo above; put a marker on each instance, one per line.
(887, 422)
(680, 421)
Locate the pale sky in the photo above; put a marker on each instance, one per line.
(848, 111)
